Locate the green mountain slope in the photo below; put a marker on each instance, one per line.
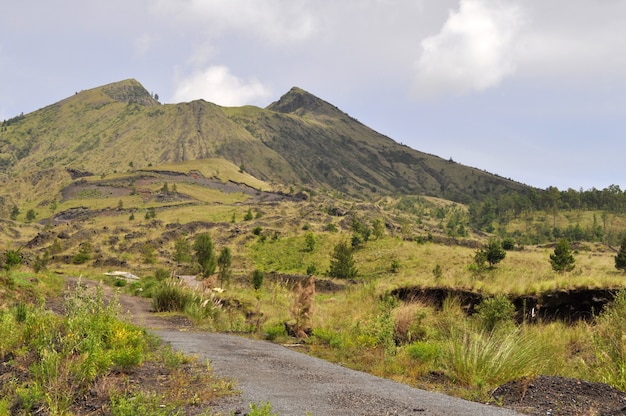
(298, 140)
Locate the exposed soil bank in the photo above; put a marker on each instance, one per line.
(567, 305)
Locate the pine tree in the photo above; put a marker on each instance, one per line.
(495, 253)
(182, 253)
(224, 265)
(562, 260)
(620, 259)
(205, 255)
(342, 263)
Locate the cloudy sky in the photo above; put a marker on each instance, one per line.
(533, 90)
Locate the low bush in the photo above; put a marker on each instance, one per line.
(275, 331)
(423, 351)
(328, 337)
(494, 313)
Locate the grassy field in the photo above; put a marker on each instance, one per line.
(421, 242)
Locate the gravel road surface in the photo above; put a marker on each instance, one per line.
(297, 384)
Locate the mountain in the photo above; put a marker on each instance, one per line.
(298, 140)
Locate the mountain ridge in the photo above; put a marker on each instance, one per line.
(298, 140)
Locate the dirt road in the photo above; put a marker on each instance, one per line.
(295, 383)
(298, 384)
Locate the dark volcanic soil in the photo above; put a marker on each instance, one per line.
(561, 396)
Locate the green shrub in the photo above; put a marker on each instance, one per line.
(329, 337)
(257, 279)
(261, 410)
(272, 332)
(508, 244)
(342, 262)
(141, 404)
(21, 312)
(119, 283)
(12, 258)
(311, 270)
(423, 351)
(495, 312)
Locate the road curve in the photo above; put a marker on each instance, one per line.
(297, 384)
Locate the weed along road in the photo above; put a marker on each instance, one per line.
(295, 383)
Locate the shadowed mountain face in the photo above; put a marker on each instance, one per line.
(299, 139)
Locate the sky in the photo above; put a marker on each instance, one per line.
(532, 90)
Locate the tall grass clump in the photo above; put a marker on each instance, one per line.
(408, 323)
(171, 296)
(483, 360)
(609, 339)
(203, 306)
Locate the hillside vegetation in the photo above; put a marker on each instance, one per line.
(299, 140)
(395, 240)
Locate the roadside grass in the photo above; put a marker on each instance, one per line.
(50, 362)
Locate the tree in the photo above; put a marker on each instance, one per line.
(494, 253)
(620, 259)
(309, 242)
(378, 228)
(12, 258)
(15, 212)
(182, 251)
(342, 262)
(224, 265)
(31, 215)
(257, 279)
(84, 253)
(149, 253)
(562, 259)
(150, 213)
(205, 255)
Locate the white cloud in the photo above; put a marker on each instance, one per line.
(277, 21)
(473, 51)
(218, 85)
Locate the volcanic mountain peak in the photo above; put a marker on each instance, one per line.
(300, 102)
(129, 91)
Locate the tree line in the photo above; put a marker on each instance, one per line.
(494, 212)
